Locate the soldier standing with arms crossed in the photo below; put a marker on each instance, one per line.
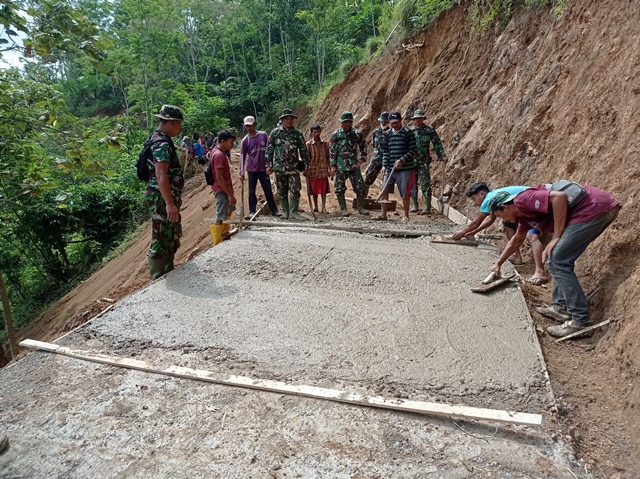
(285, 147)
(343, 149)
(425, 134)
(163, 196)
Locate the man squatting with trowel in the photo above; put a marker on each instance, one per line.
(573, 230)
(480, 195)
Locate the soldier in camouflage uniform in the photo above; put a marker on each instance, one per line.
(164, 190)
(373, 170)
(286, 148)
(343, 153)
(425, 134)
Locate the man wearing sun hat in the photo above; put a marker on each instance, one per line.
(286, 155)
(373, 170)
(574, 227)
(425, 134)
(345, 162)
(163, 196)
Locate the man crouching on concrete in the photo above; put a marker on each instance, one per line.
(573, 230)
(222, 186)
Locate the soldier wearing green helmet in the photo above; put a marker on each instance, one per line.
(425, 134)
(163, 196)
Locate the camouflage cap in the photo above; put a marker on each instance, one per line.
(346, 116)
(418, 114)
(287, 112)
(170, 112)
(384, 116)
(500, 199)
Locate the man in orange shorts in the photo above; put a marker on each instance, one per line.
(319, 170)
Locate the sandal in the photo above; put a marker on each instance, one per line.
(537, 280)
(516, 263)
(379, 218)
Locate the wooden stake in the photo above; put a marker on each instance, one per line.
(578, 333)
(397, 404)
(13, 342)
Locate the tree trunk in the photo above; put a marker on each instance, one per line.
(13, 342)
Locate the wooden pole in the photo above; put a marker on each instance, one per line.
(13, 343)
(397, 404)
(326, 227)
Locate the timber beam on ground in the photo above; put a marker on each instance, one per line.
(336, 395)
(315, 226)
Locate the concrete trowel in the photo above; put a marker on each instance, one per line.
(492, 281)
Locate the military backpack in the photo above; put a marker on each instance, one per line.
(146, 154)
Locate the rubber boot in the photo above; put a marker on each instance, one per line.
(168, 264)
(216, 234)
(414, 205)
(284, 206)
(366, 191)
(361, 209)
(157, 267)
(343, 206)
(427, 205)
(293, 208)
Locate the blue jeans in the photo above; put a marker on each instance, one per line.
(567, 292)
(265, 182)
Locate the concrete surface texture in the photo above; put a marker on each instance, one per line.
(367, 314)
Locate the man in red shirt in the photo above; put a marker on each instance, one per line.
(574, 228)
(222, 186)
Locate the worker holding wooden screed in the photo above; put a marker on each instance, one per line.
(577, 215)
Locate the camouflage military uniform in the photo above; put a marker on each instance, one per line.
(373, 170)
(165, 235)
(425, 135)
(283, 148)
(343, 150)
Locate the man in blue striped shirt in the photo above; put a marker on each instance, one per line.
(399, 150)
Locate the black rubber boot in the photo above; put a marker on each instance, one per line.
(157, 267)
(361, 209)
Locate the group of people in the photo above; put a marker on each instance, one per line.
(558, 222)
(197, 146)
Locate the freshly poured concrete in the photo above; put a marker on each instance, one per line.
(347, 307)
(375, 315)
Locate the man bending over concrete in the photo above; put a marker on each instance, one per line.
(573, 230)
(481, 196)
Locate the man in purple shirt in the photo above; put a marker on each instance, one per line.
(574, 228)
(252, 159)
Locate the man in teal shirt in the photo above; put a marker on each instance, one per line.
(480, 195)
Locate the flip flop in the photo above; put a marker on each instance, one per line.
(537, 280)
(516, 263)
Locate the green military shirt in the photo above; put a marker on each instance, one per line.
(425, 135)
(343, 149)
(161, 152)
(285, 148)
(376, 138)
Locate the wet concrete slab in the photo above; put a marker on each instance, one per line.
(368, 314)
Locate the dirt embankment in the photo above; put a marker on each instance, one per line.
(539, 100)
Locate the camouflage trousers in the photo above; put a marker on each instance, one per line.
(373, 170)
(357, 183)
(424, 178)
(288, 184)
(165, 234)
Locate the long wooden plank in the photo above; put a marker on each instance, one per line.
(327, 227)
(397, 404)
(463, 241)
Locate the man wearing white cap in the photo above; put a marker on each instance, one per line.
(252, 159)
